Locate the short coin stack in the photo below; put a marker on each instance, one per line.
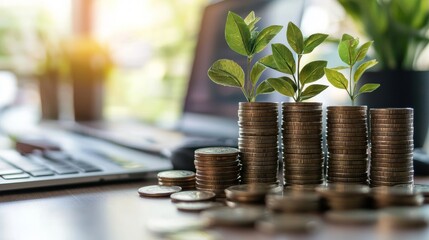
(302, 143)
(391, 146)
(347, 142)
(258, 141)
(249, 194)
(181, 178)
(217, 168)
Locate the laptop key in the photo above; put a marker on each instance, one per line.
(65, 170)
(19, 161)
(42, 173)
(6, 168)
(85, 166)
(16, 176)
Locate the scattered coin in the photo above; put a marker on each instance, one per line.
(293, 201)
(196, 206)
(404, 217)
(385, 196)
(341, 196)
(250, 192)
(354, 217)
(158, 191)
(192, 196)
(164, 226)
(292, 223)
(239, 216)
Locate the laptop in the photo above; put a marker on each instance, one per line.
(103, 151)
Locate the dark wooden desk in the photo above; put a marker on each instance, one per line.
(116, 211)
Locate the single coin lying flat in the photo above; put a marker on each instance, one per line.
(158, 191)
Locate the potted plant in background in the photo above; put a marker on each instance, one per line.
(258, 129)
(50, 71)
(400, 30)
(89, 64)
(347, 129)
(302, 121)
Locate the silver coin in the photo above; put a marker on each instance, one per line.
(192, 196)
(196, 206)
(216, 151)
(174, 174)
(158, 191)
(239, 216)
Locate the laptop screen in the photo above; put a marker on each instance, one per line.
(206, 100)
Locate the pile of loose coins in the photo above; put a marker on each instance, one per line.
(302, 143)
(293, 201)
(347, 144)
(181, 178)
(345, 196)
(391, 147)
(258, 141)
(217, 168)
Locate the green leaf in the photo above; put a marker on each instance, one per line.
(264, 37)
(347, 49)
(313, 41)
(268, 61)
(336, 78)
(361, 52)
(346, 37)
(256, 72)
(237, 34)
(290, 81)
(251, 20)
(312, 91)
(313, 71)
(369, 87)
(227, 72)
(283, 58)
(362, 68)
(295, 38)
(281, 86)
(264, 88)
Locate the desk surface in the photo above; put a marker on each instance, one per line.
(116, 211)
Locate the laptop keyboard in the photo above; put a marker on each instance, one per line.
(15, 166)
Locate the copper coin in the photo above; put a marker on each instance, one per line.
(216, 151)
(391, 138)
(302, 182)
(347, 108)
(392, 111)
(394, 121)
(346, 120)
(216, 163)
(347, 151)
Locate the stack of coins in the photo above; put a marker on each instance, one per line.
(249, 194)
(217, 168)
(347, 143)
(302, 143)
(389, 196)
(345, 196)
(391, 146)
(181, 178)
(293, 202)
(258, 141)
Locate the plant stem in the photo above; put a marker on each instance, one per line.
(297, 78)
(248, 80)
(351, 94)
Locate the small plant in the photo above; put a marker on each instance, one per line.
(243, 37)
(350, 54)
(283, 61)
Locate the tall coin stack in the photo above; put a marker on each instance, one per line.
(391, 146)
(258, 141)
(217, 169)
(347, 142)
(302, 143)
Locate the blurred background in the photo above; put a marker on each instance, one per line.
(131, 59)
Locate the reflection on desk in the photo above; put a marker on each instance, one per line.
(116, 211)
